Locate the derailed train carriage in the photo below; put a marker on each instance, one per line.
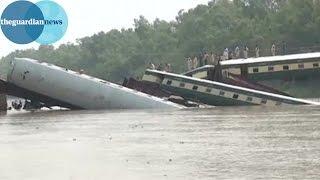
(297, 74)
(48, 85)
(273, 80)
(231, 83)
(217, 93)
(288, 67)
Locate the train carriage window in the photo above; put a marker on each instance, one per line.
(222, 93)
(285, 67)
(195, 88)
(250, 99)
(169, 82)
(182, 84)
(263, 101)
(235, 96)
(315, 65)
(270, 68)
(208, 90)
(255, 70)
(278, 103)
(301, 66)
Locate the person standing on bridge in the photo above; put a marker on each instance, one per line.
(273, 50)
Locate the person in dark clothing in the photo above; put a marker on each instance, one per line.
(159, 67)
(201, 59)
(245, 52)
(217, 75)
(284, 48)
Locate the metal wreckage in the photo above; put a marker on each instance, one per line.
(240, 82)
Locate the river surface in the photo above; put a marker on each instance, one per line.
(217, 143)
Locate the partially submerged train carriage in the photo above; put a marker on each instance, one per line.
(216, 93)
(3, 96)
(297, 74)
(231, 83)
(47, 85)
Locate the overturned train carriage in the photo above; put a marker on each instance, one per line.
(56, 86)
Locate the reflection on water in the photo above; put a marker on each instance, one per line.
(218, 143)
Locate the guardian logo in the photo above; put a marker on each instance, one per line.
(23, 22)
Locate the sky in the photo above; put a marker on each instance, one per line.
(89, 17)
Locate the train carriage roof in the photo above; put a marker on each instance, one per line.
(292, 57)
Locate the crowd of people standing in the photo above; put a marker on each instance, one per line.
(206, 58)
(166, 67)
(213, 59)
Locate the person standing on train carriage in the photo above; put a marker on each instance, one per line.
(245, 52)
(212, 59)
(231, 56)
(195, 62)
(166, 67)
(257, 51)
(200, 59)
(284, 48)
(237, 52)
(273, 50)
(206, 58)
(159, 67)
(151, 66)
(169, 68)
(226, 54)
(189, 63)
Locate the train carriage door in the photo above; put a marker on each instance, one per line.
(244, 70)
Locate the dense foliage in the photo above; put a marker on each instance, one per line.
(122, 53)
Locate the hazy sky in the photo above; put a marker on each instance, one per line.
(91, 16)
